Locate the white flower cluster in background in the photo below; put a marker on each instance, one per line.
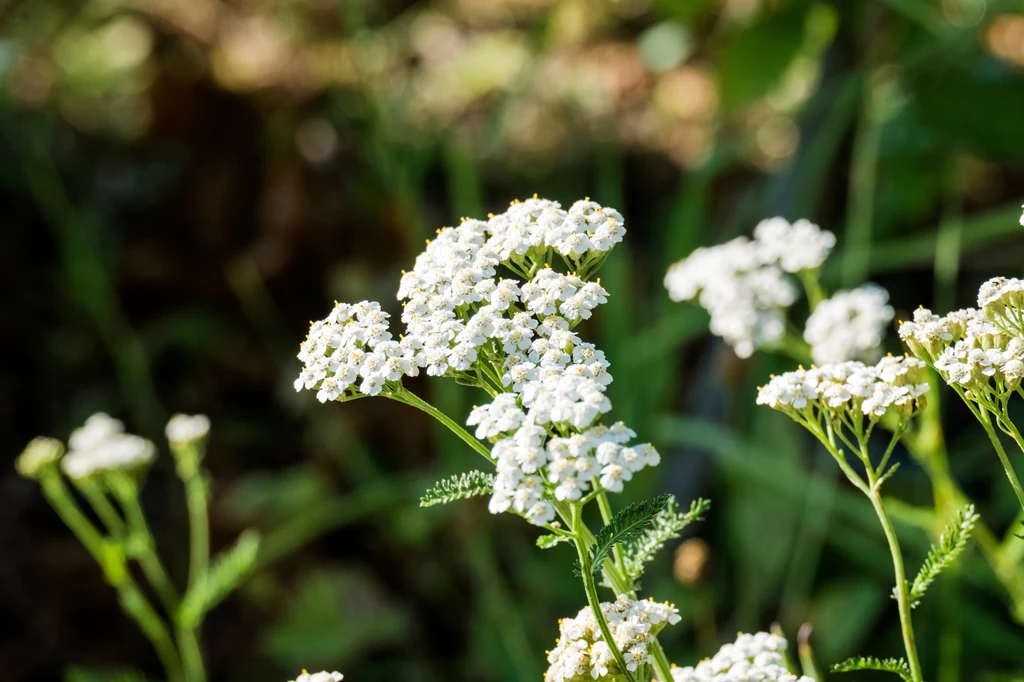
(751, 658)
(187, 428)
(968, 349)
(102, 445)
(38, 454)
(1022, 218)
(581, 653)
(319, 677)
(353, 346)
(743, 283)
(849, 326)
(851, 388)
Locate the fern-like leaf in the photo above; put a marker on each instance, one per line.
(626, 526)
(461, 487)
(951, 544)
(890, 665)
(666, 526)
(226, 572)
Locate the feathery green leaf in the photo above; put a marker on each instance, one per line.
(951, 543)
(226, 572)
(666, 526)
(626, 526)
(891, 665)
(461, 487)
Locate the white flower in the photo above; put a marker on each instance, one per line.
(746, 298)
(102, 445)
(895, 383)
(183, 428)
(319, 677)
(750, 658)
(37, 455)
(849, 326)
(794, 247)
(581, 653)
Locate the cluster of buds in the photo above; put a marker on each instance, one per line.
(750, 658)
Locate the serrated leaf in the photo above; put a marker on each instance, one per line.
(896, 666)
(626, 526)
(665, 526)
(461, 487)
(951, 544)
(225, 573)
(550, 540)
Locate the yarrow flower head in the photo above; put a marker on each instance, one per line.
(849, 326)
(38, 455)
(850, 390)
(1001, 299)
(513, 336)
(184, 428)
(102, 445)
(969, 350)
(319, 677)
(581, 652)
(351, 352)
(743, 283)
(751, 658)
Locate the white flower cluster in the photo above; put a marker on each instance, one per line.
(743, 283)
(1022, 218)
(896, 383)
(751, 658)
(514, 338)
(849, 326)
(352, 345)
(319, 677)
(37, 455)
(532, 468)
(455, 308)
(102, 445)
(581, 653)
(185, 428)
(1002, 301)
(968, 350)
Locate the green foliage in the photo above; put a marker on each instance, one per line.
(896, 666)
(79, 674)
(666, 526)
(951, 543)
(755, 59)
(626, 526)
(461, 487)
(550, 540)
(227, 571)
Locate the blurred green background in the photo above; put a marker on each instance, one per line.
(186, 183)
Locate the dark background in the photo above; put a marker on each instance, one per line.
(185, 185)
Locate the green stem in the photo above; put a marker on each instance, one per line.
(101, 505)
(111, 561)
(812, 286)
(199, 529)
(662, 668)
(1007, 466)
(902, 591)
(414, 400)
(582, 548)
(606, 516)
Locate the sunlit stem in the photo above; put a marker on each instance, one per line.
(409, 398)
(583, 550)
(1011, 475)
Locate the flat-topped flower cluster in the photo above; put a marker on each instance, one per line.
(510, 333)
(978, 351)
(581, 653)
(747, 287)
(751, 658)
(849, 389)
(101, 445)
